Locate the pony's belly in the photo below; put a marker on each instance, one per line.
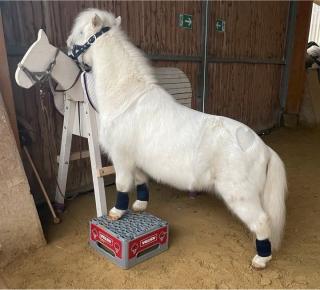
(175, 174)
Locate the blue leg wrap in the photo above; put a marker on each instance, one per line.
(263, 248)
(142, 192)
(122, 200)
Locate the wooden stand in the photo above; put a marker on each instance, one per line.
(89, 130)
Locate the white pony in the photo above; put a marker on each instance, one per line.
(147, 133)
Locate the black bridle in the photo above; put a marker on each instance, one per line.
(77, 50)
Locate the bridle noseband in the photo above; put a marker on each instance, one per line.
(39, 76)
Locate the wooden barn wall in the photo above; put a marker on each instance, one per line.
(247, 92)
(246, 89)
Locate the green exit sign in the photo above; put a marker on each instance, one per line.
(185, 21)
(220, 25)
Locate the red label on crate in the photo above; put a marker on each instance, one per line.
(100, 235)
(158, 237)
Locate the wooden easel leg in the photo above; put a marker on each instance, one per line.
(68, 121)
(95, 159)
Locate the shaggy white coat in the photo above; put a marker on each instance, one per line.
(147, 133)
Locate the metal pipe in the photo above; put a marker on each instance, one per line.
(20, 51)
(291, 24)
(246, 60)
(205, 54)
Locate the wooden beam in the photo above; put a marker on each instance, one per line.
(106, 171)
(297, 74)
(5, 85)
(77, 155)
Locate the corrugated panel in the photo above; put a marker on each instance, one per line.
(314, 32)
(152, 25)
(253, 29)
(245, 92)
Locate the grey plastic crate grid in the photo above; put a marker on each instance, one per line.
(131, 225)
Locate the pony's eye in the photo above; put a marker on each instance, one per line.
(81, 32)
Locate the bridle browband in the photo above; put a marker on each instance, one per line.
(77, 50)
(46, 75)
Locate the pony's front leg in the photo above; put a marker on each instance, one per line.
(141, 202)
(124, 182)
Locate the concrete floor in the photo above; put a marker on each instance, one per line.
(209, 248)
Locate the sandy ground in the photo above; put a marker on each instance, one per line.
(209, 248)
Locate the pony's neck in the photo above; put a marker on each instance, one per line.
(121, 72)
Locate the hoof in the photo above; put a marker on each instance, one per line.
(140, 205)
(260, 262)
(115, 214)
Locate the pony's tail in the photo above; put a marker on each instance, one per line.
(274, 196)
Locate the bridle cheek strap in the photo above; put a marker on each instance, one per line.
(77, 50)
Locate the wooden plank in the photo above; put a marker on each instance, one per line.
(95, 160)
(174, 80)
(192, 72)
(77, 155)
(104, 171)
(185, 86)
(167, 70)
(65, 149)
(176, 91)
(253, 29)
(183, 98)
(238, 92)
(5, 85)
(297, 74)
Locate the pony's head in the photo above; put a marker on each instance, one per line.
(87, 24)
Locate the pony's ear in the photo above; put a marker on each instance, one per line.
(96, 21)
(118, 21)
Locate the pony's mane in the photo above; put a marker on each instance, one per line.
(137, 57)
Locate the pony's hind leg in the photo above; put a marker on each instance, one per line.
(248, 208)
(141, 202)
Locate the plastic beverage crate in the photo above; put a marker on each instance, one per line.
(130, 240)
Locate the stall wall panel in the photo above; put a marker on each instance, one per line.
(245, 92)
(151, 25)
(255, 29)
